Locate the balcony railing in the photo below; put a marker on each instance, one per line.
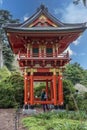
(47, 56)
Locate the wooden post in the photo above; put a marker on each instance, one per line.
(54, 88)
(31, 89)
(28, 85)
(60, 90)
(51, 90)
(25, 88)
(47, 87)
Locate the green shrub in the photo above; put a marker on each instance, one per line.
(11, 91)
(55, 121)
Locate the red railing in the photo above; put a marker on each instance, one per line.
(24, 56)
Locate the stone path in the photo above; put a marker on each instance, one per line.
(7, 119)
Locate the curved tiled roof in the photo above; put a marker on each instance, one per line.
(42, 10)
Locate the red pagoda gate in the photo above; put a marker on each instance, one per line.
(40, 43)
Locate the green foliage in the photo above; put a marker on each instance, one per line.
(6, 96)
(84, 80)
(68, 90)
(38, 88)
(56, 121)
(7, 56)
(82, 101)
(76, 74)
(5, 18)
(4, 73)
(11, 90)
(16, 80)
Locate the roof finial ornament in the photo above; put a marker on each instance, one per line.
(42, 7)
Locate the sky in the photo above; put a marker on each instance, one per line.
(64, 10)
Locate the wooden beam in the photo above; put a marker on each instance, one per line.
(40, 78)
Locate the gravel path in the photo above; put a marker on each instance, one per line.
(7, 120)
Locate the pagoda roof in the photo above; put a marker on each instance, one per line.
(43, 11)
(47, 29)
(43, 26)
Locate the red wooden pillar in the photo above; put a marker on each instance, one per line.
(54, 89)
(25, 88)
(31, 90)
(60, 90)
(47, 87)
(28, 85)
(51, 91)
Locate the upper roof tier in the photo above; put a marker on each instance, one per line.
(42, 25)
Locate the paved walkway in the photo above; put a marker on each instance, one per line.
(8, 119)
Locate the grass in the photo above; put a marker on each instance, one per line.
(55, 121)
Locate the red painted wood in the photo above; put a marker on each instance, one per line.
(60, 90)
(40, 78)
(47, 89)
(51, 91)
(54, 90)
(18, 40)
(25, 89)
(43, 70)
(31, 90)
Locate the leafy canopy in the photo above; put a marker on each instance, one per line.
(76, 74)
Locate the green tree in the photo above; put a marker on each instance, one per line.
(7, 99)
(16, 81)
(68, 90)
(5, 18)
(75, 73)
(82, 101)
(4, 73)
(84, 80)
(11, 88)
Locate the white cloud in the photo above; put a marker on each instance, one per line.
(25, 17)
(75, 14)
(1, 2)
(76, 42)
(70, 51)
(58, 11)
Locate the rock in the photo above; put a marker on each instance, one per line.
(81, 88)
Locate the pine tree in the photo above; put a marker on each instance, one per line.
(8, 57)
